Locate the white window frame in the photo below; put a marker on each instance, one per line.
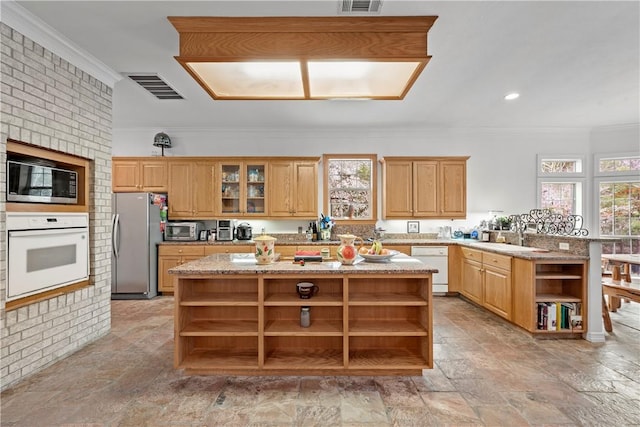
(610, 176)
(326, 158)
(612, 156)
(578, 178)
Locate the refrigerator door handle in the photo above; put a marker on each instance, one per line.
(115, 231)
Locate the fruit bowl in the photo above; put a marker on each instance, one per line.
(379, 258)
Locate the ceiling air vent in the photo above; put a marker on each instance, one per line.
(155, 85)
(361, 6)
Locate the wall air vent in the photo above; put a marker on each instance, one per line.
(155, 85)
(361, 6)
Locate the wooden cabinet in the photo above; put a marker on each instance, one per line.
(250, 324)
(497, 284)
(139, 174)
(170, 256)
(545, 282)
(192, 185)
(242, 189)
(429, 187)
(228, 249)
(486, 280)
(293, 188)
(405, 249)
(472, 275)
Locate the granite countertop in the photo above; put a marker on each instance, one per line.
(246, 264)
(499, 248)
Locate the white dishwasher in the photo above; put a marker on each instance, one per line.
(437, 257)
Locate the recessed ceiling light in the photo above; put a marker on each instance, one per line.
(511, 96)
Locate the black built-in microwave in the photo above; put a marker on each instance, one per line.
(40, 183)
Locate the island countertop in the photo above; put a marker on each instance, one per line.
(245, 263)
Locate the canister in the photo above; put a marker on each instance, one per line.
(265, 249)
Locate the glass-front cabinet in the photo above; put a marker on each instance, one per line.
(242, 188)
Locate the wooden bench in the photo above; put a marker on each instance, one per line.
(615, 290)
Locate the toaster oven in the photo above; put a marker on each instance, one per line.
(185, 231)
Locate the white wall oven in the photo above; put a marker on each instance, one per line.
(45, 251)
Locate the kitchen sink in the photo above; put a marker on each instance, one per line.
(508, 247)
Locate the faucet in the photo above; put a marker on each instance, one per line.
(378, 233)
(519, 225)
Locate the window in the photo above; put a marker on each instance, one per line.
(560, 197)
(350, 186)
(560, 184)
(618, 187)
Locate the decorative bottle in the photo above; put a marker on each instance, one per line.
(305, 317)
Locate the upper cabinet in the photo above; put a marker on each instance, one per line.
(192, 189)
(242, 189)
(424, 187)
(293, 188)
(139, 174)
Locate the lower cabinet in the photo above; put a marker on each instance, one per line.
(497, 284)
(472, 275)
(551, 297)
(170, 256)
(229, 249)
(486, 280)
(251, 324)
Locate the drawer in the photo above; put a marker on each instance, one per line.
(472, 254)
(228, 249)
(495, 260)
(189, 250)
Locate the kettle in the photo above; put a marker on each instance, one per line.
(243, 231)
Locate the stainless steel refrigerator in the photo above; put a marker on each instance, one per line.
(135, 233)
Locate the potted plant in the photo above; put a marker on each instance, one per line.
(504, 222)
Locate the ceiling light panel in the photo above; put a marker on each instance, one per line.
(256, 79)
(332, 79)
(304, 57)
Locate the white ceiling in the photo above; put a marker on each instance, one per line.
(576, 64)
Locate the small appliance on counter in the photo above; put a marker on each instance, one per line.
(183, 231)
(244, 231)
(225, 230)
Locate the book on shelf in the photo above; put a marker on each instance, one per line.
(557, 316)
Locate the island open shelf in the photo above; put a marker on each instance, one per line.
(368, 319)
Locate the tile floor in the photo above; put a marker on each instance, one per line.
(487, 372)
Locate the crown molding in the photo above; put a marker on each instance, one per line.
(29, 25)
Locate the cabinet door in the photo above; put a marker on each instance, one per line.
(497, 291)
(398, 189)
(180, 192)
(425, 189)
(204, 188)
(280, 188)
(472, 280)
(524, 304)
(165, 280)
(231, 188)
(254, 189)
(305, 189)
(453, 189)
(125, 175)
(153, 175)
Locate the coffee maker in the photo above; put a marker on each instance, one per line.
(225, 230)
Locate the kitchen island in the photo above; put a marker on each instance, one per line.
(233, 316)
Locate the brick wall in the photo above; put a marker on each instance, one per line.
(49, 102)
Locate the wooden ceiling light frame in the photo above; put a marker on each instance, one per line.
(378, 40)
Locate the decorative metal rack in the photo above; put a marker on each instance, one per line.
(544, 221)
